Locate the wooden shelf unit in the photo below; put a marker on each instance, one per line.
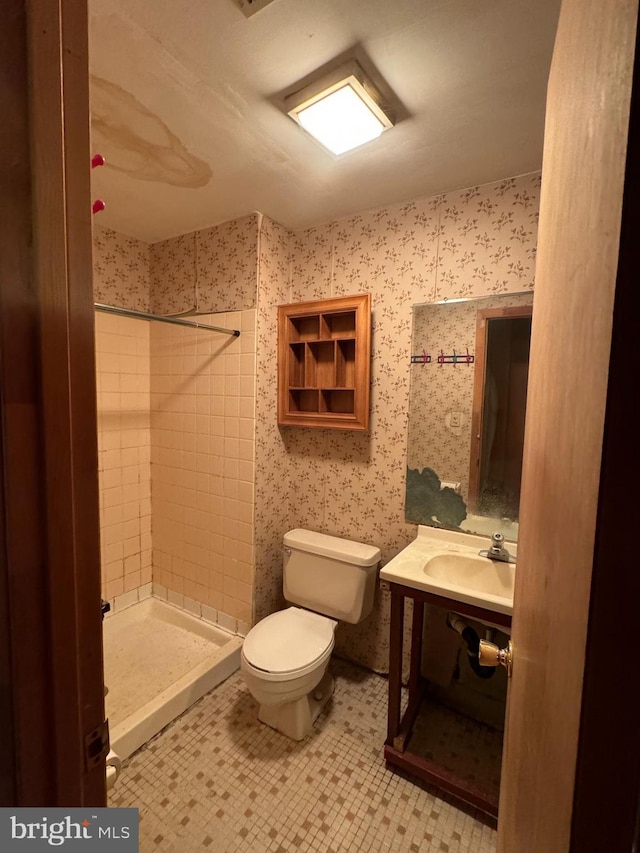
(324, 355)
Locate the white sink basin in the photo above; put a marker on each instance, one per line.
(447, 564)
(475, 573)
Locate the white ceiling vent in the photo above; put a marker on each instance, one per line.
(250, 7)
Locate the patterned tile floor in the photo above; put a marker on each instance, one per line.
(471, 750)
(217, 779)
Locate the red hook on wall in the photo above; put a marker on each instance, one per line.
(98, 204)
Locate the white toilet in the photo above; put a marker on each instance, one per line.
(285, 657)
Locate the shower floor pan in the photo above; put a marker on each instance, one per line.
(158, 661)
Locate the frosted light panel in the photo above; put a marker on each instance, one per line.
(341, 121)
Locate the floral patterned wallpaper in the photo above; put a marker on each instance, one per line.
(121, 270)
(438, 390)
(227, 265)
(487, 238)
(312, 264)
(274, 501)
(173, 275)
(472, 242)
(213, 270)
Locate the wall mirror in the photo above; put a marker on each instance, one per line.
(469, 368)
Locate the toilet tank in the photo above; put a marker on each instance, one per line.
(329, 575)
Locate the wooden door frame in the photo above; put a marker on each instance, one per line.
(479, 375)
(608, 763)
(49, 545)
(571, 762)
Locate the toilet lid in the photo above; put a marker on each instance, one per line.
(288, 640)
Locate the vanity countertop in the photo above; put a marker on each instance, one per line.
(447, 564)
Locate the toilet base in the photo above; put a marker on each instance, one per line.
(296, 719)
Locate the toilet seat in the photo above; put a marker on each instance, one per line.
(288, 644)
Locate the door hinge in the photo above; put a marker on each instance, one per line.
(96, 745)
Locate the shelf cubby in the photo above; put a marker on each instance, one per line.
(304, 328)
(296, 364)
(336, 401)
(324, 354)
(321, 364)
(342, 324)
(346, 363)
(304, 400)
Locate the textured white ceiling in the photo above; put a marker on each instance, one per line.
(186, 105)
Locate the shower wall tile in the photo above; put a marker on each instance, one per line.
(203, 409)
(202, 463)
(127, 599)
(124, 440)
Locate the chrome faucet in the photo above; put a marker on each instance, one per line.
(498, 550)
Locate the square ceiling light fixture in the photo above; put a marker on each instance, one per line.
(341, 111)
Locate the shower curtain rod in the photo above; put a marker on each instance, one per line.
(142, 315)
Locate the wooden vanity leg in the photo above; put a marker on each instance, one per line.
(417, 684)
(416, 649)
(395, 663)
